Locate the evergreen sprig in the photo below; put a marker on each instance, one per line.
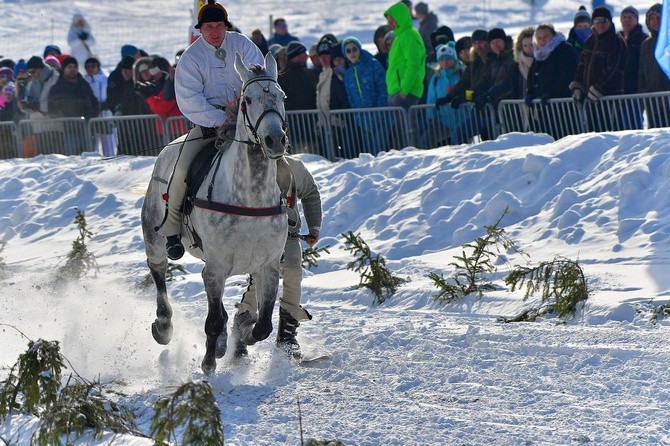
(560, 282)
(80, 260)
(372, 268)
(82, 406)
(476, 260)
(191, 410)
(34, 380)
(310, 256)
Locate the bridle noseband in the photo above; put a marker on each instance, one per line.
(243, 108)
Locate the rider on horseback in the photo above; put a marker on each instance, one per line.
(208, 90)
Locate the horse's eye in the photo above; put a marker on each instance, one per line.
(247, 100)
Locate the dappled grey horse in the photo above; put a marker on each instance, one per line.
(238, 215)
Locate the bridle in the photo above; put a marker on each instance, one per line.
(254, 127)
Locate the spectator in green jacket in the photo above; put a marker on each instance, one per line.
(406, 60)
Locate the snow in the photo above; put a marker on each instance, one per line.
(409, 371)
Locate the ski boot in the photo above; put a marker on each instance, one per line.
(286, 334)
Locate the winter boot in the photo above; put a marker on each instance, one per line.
(286, 334)
(241, 320)
(175, 250)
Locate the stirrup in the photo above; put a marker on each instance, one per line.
(175, 249)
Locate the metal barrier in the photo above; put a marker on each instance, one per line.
(308, 134)
(348, 133)
(562, 117)
(133, 135)
(369, 130)
(67, 136)
(432, 126)
(556, 117)
(9, 141)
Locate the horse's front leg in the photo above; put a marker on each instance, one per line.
(267, 287)
(217, 318)
(161, 329)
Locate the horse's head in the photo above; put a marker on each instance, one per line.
(262, 106)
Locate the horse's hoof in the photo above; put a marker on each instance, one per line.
(162, 333)
(221, 345)
(261, 332)
(208, 366)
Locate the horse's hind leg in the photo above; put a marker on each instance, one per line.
(217, 318)
(161, 329)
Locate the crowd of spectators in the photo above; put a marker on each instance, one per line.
(417, 61)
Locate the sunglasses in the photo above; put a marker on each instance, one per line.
(33, 71)
(599, 21)
(352, 49)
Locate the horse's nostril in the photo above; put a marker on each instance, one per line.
(269, 142)
(283, 140)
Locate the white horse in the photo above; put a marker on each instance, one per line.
(244, 229)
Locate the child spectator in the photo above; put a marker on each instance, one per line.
(580, 31)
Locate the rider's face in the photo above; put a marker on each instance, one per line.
(213, 33)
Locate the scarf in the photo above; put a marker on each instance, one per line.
(544, 52)
(524, 62)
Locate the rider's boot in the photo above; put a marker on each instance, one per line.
(286, 333)
(175, 249)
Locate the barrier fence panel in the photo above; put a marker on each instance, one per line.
(427, 129)
(306, 133)
(369, 130)
(612, 113)
(9, 141)
(557, 117)
(656, 109)
(133, 135)
(175, 126)
(66, 136)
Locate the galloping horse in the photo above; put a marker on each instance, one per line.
(245, 229)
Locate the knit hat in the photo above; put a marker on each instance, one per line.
(35, 62)
(631, 10)
(582, 15)
(212, 12)
(497, 33)
(69, 60)
(295, 48)
(601, 11)
(480, 34)
(53, 62)
(312, 51)
(353, 40)
(441, 35)
(447, 51)
(654, 9)
(463, 43)
(127, 63)
(336, 51)
(62, 57)
(7, 72)
(92, 60)
(7, 63)
(129, 50)
(9, 87)
(20, 66)
(324, 47)
(421, 8)
(276, 49)
(49, 48)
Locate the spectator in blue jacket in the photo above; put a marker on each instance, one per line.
(365, 84)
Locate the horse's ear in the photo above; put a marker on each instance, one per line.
(242, 70)
(271, 65)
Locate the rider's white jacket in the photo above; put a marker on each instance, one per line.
(207, 87)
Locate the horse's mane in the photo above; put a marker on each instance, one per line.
(257, 69)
